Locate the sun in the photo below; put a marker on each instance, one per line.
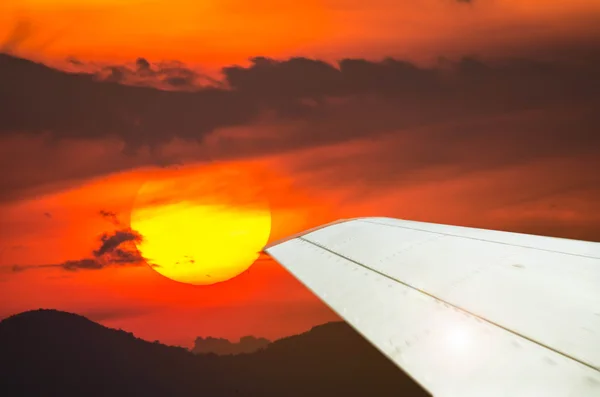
(204, 224)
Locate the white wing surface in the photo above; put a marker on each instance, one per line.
(465, 312)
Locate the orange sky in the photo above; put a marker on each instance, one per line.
(481, 159)
(211, 33)
(65, 225)
(265, 300)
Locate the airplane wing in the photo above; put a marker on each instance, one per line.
(465, 312)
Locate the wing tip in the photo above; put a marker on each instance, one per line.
(304, 232)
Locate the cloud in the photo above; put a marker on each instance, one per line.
(110, 242)
(88, 263)
(116, 249)
(72, 106)
(164, 75)
(110, 216)
(38, 99)
(110, 314)
(400, 125)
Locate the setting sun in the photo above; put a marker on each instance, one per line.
(202, 225)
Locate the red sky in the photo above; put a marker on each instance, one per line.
(506, 139)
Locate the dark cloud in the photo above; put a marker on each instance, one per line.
(21, 268)
(39, 99)
(108, 314)
(122, 256)
(110, 216)
(111, 241)
(116, 249)
(312, 102)
(74, 61)
(162, 75)
(142, 65)
(88, 263)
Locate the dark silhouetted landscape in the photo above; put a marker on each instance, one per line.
(221, 346)
(51, 353)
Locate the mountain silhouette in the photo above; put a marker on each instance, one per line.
(51, 353)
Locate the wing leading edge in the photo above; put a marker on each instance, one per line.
(465, 312)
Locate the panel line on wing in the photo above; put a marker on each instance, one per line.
(478, 239)
(588, 365)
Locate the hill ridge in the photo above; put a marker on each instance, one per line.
(51, 353)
